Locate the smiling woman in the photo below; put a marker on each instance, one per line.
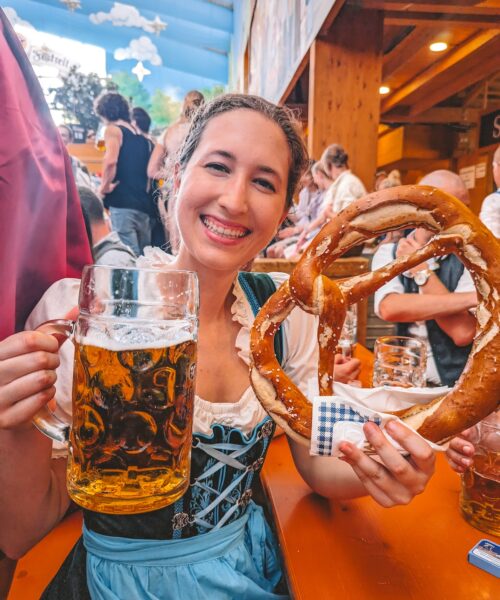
(233, 190)
(234, 181)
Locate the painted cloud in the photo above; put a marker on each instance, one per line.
(124, 15)
(141, 49)
(15, 19)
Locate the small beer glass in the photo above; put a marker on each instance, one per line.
(133, 389)
(348, 336)
(480, 493)
(399, 361)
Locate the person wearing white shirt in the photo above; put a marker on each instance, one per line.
(346, 188)
(490, 209)
(314, 182)
(432, 301)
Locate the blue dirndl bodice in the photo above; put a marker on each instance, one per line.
(224, 467)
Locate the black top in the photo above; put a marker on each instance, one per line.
(133, 191)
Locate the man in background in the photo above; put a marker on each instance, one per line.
(125, 187)
(107, 248)
(433, 300)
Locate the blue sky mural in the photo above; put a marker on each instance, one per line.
(175, 45)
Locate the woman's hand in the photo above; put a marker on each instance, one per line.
(392, 479)
(460, 451)
(346, 369)
(27, 376)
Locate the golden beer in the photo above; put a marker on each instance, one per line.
(130, 441)
(480, 495)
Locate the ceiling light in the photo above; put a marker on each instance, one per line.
(383, 90)
(438, 47)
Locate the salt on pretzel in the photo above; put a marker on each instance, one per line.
(457, 230)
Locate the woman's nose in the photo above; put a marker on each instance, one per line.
(235, 196)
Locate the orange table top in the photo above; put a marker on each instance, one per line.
(35, 570)
(357, 550)
(351, 550)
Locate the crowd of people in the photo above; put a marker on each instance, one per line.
(135, 187)
(232, 169)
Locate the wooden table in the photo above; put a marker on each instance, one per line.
(351, 550)
(358, 550)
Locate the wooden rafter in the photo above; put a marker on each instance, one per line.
(436, 19)
(407, 48)
(475, 92)
(444, 7)
(433, 115)
(471, 61)
(332, 15)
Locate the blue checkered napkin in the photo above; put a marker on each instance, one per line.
(334, 422)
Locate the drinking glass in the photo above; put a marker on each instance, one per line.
(480, 493)
(348, 336)
(399, 361)
(133, 389)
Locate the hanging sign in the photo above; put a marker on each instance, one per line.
(489, 131)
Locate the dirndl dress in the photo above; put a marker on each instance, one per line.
(213, 543)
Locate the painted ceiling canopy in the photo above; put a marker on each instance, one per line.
(182, 44)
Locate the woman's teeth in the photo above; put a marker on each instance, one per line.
(223, 230)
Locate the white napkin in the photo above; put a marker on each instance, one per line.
(340, 417)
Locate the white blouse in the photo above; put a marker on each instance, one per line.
(490, 213)
(300, 356)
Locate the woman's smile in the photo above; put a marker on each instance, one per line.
(232, 193)
(223, 231)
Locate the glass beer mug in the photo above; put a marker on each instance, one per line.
(133, 389)
(480, 493)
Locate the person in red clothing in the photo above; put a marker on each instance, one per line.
(42, 233)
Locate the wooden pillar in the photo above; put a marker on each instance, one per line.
(344, 80)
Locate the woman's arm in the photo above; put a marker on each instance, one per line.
(390, 478)
(33, 495)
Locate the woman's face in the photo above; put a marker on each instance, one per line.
(231, 194)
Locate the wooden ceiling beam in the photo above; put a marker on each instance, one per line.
(457, 62)
(436, 19)
(406, 49)
(475, 92)
(426, 3)
(480, 65)
(332, 15)
(444, 7)
(434, 115)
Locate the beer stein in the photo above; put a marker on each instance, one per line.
(399, 361)
(133, 389)
(480, 493)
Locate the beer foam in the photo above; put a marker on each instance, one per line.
(124, 338)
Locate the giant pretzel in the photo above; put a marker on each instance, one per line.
(475, 395)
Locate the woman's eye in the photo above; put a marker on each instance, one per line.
(218, 167)
(266, 184)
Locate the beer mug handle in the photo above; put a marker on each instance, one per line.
(45, 420)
